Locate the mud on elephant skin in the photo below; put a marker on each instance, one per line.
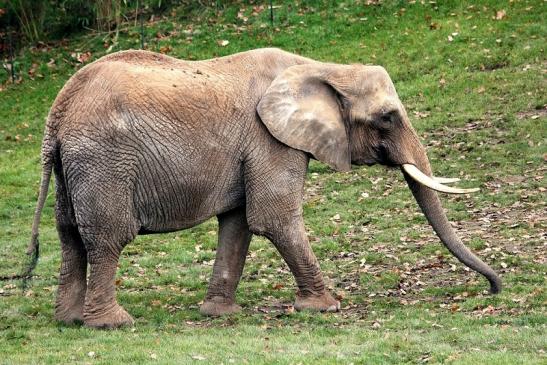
(143, 143)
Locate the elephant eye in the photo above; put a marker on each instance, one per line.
(387, 117)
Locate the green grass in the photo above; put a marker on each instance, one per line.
(479, 104)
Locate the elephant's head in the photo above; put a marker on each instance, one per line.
(351, 114)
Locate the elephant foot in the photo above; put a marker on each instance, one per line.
(70, 316)
(69, 309)
(218, 306)
(320, 303)
(114, 318)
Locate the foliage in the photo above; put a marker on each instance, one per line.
(43, 20)
(30, 15)
(108, 11)
(472, 79)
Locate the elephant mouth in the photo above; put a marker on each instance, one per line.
(383, 157)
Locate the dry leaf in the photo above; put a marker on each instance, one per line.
(223, 42)
(434, 26)
(81, 57)
(500, 14)
(32, 71)
(166, 49)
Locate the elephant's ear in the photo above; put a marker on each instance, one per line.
(301, 109)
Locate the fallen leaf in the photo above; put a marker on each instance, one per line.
(166, 49)
(500, 14)
(288, 309)
(32, 71)
(81, 57)
(434, 26)
(442, 82)
(223, 42)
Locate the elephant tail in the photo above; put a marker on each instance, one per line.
(33, 250)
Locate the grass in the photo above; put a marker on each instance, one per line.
(479, 104)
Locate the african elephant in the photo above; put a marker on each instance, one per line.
(143, 143)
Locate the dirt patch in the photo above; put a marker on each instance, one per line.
(533, 114)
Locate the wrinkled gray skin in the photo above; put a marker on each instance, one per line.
(141, 143)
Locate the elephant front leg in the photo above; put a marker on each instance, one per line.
(274, 187)
(233, 243)
(291, 241)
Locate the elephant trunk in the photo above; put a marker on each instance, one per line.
(431, 206)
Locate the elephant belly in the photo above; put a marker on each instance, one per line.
(167, 202)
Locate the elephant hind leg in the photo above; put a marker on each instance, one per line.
(101, 309)
(233, 243)
(69, 305)
(106, 224)
(104, 246)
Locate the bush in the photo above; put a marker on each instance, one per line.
(40, 20)
(29, 15)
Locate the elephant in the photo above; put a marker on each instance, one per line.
(144, 143)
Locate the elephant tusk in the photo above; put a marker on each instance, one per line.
(423, 179)
(445, 180)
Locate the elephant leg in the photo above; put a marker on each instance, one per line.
(290, 239)
(101, 310)
(274, 210)
(106, 226)
(233, 243)
(69, 305)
